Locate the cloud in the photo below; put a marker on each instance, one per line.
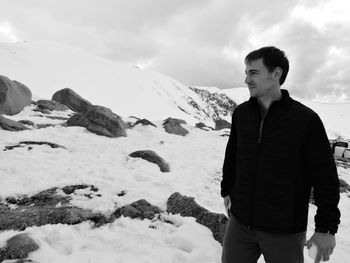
(200, 42)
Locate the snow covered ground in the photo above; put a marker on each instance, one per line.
(195, 162)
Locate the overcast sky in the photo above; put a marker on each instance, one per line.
(198, 42)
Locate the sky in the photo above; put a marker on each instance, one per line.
(199, 42)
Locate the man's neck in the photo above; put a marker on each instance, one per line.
(265, 102)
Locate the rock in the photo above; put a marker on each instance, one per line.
(10, 125)
(14, 96)
(140, 209)
(51, 105)
(18, 247)
(24, 143)
(72, 188)
(27, 122)
(222, 124)
(186, 206)
(45, 111)
(173, 126)
(144, 122)
(152, 157)
(46, 207)
(99, 120)
(344, 187)
(71, 99)
(201, 125)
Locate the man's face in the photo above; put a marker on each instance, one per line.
(259, 80)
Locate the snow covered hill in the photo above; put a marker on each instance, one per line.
(46, 67)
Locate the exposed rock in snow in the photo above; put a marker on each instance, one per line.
(222, 124)
(14, 96)
(152, 157)
(18, 247)
(51, 105)
(187, 206)
(11, 125)
(173, 126)
(71, 99)
(99, 120)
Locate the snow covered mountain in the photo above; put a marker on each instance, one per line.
(46, 67)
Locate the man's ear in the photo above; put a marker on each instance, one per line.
(277, 73)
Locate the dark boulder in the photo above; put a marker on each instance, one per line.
(14, 96)
(140, 209)
(144, 122)
(201, 125)
(222, 124)
(344, 187)
(26, 143)
(18, 247)
(186, 206)
(46, 207)
(71, 99)
(99, 120)
(152, 157)
(51, 105)
(173, 126)
(10, 125)
(27, 122)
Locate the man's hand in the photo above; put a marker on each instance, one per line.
(325, 244)
(227, 204)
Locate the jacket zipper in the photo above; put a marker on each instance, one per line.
(263, 115)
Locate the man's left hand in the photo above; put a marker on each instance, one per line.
(325, 244)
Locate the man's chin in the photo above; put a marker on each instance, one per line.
(252, 93)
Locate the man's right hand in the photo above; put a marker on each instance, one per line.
(227, 204)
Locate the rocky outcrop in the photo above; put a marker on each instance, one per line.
(140, 209)
(46, 207)
(152, 157)
(51, 105)
(71, 99)
(186, 206)
(14, 96)
(25, 143)
(344, 187)
(173, 126)
(99, 120)
(222, 124)
(144, 122)
(10, 125)
(27, 122)
(201, 125)
(18, 247)
(217, 105)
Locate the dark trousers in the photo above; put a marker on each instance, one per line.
(243, 245)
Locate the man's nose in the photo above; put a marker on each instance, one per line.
(247, 79)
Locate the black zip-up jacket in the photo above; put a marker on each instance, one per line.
(272, 162)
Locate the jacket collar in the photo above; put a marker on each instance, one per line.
(283, 101)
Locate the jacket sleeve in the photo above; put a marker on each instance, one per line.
(323, 176)
(229, 167)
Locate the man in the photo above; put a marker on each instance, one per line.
(277, 151)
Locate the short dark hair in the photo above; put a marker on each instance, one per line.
(272, 58)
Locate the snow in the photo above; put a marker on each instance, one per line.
(47, 66)
(195, 160)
